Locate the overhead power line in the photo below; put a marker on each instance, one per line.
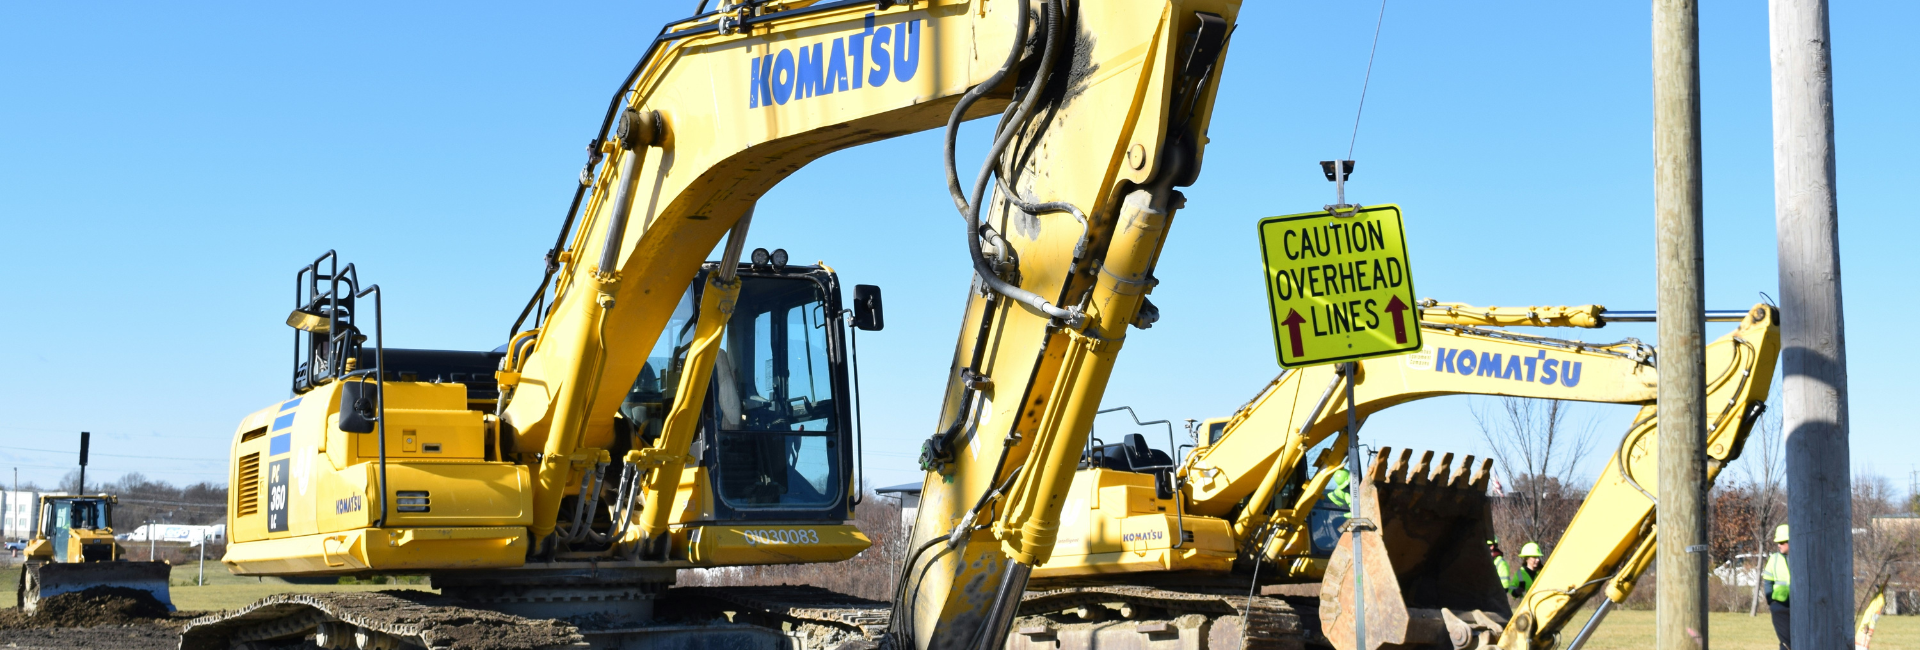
(140, 456)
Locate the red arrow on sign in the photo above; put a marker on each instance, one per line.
(1396, 308)
(1293, 322)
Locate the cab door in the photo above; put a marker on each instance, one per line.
(62, 529)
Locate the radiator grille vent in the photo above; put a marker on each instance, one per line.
(247, 484)
(414, 501)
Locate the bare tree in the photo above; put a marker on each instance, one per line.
(1761, 475)
(1886, 544)
(1539, 453)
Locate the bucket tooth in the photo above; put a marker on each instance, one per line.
(1440, 470)
(1419, 474)
(1462, 477)
(1481, 476)
(1377, 472)
(1399, 472)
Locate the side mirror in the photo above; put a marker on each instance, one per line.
(867, 311)
(357, 406)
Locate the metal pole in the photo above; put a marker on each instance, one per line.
(203, 559)
(1593, 623)
(1681, 621)
(1356, 524)
(1813, 351)
(84, 438)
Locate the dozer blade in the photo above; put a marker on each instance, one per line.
(44, 580)
(1429, 580)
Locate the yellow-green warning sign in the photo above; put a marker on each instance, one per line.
(1340, 287)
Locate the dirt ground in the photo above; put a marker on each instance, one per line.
(102, 617)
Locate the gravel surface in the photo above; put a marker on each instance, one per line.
(130, 637)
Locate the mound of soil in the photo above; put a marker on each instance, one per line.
(94, 607)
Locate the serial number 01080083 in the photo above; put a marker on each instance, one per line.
(781, 536)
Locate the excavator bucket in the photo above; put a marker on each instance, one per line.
(42, 580)
(1430, 582)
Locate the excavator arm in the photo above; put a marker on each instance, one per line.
(1305, 407)
(1244, 498)
(1611, 540)
(1103, 111)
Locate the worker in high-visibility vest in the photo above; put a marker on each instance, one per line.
(1775, 584)
(1500, 565)
(1530, 562)
(1340, 488)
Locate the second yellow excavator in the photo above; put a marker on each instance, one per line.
(1173, 548)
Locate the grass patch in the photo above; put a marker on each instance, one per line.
(1633, 630)
(222, 591)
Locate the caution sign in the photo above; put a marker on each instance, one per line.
(1340, 287)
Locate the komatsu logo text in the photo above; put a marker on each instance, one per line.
(349, 504)
(863, 60)
(1515, 367)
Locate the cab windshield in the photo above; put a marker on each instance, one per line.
(772, 397)
(86, 514)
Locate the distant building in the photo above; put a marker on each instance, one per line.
(909, 496)
(19, 512)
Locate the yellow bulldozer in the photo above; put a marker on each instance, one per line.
(73, 549)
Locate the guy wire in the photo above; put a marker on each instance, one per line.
(1366, 80)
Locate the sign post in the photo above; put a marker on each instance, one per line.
(1340, 289)
(1339, 286)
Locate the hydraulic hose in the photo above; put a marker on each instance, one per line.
(973, 95)
(970, 209)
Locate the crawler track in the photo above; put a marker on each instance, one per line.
(385, 619)
(745, 617)
(792, 604)
(1118, 617)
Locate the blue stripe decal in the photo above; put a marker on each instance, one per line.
(283, 421)
(280, 444)
(290, 404)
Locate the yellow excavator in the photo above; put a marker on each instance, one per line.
(1154, 547)
(662, 413)
(73, 549)
(1610, 542)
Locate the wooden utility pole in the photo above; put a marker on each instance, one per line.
(1813, 350)
(1681, 600)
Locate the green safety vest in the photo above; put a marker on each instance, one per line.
(1777, 573)
(1523, 579)
(1506, 575)
(1339, 492)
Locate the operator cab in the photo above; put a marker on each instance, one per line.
(62, 516)
(776, 429)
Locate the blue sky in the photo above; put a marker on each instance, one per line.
(164, 170)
